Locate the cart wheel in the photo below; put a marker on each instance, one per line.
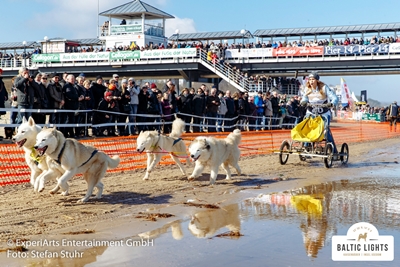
(328, 152)
(285, 147)
(344, 151)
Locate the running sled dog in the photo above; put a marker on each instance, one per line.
(212, 152)
(72, 158)
(157, 145)
(26, 138)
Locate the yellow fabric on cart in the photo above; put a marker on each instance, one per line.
(309, 130)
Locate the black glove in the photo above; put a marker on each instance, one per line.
(303, 104)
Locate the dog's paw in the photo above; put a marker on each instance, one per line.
(65, 193)
(82, 200)
(191, 178)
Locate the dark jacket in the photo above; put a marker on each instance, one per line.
(98, 93)
(89, 103)
(25, 92)
(153, 105)
(199, 104)
(100, 117)
(81, 91)
(143, 99)
(213, 107)
(3, 95)
(71, 95)
(40, 98)
(230, 104)
(185, 104)
(275, 104)
(124, 101)
(56, 95)
(116, 93)
(173, 101)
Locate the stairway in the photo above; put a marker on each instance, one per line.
(227, 73)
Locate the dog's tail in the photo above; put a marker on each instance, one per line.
(113, 162)
(235, 136)
(178, 128)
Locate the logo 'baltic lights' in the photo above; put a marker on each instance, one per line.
(362, 243)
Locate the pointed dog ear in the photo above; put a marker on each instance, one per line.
(30, 121)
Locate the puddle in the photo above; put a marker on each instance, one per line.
(290, 228)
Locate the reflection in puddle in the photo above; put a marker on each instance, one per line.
(206, 223)
(300, 221)
(176, 230)
(321, 209)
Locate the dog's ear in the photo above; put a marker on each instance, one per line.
(24, 119)
(44, 127)
(31, 122)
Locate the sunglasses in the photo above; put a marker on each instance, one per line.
(44, 78)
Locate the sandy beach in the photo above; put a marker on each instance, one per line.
(25, 214)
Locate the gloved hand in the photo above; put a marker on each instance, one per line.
(303, 103)
(329, 105)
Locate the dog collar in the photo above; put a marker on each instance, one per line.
(36, 158)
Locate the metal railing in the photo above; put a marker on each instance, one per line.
(226, 72)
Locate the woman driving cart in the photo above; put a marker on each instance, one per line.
(315, 94)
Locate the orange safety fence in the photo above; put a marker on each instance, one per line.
(14, 170)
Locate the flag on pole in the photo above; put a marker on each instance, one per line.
(133, 45)
(346, 98)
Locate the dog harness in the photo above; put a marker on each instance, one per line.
(36, 158)
(91, 156)
(60, 154)
(176, 141)
(62, 150)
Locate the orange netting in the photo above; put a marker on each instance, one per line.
(14, 170)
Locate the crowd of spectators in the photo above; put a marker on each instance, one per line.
(206, 45)
(146, 107)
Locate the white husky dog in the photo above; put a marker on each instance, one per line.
(26, 138)
(157, 144)
(73, 158)
(209, 151)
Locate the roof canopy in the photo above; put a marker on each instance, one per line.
(211, 36)
(135, 9)
(18, 45)
(32, 44)
(312, 31)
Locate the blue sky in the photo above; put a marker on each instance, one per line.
(32, 20)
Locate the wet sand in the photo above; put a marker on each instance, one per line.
(26, 215)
